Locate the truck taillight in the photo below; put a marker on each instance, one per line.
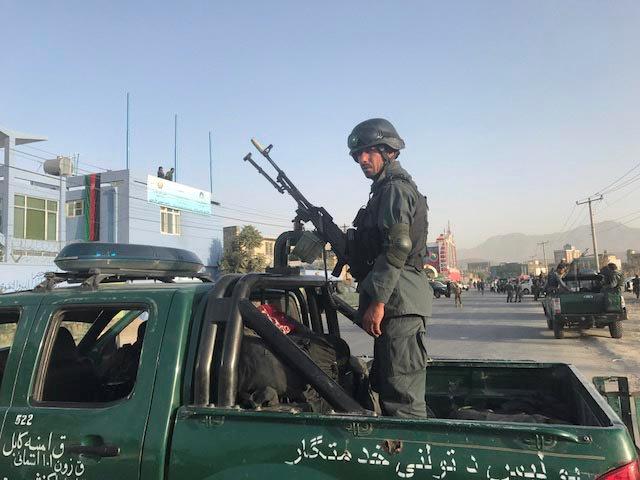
(630, 471)
(556, 305)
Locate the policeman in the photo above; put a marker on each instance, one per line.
(518, 292)
(612, 281)
(555, 283)
(510, 291)
(395, 295)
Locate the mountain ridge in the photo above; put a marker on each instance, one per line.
(614, 237)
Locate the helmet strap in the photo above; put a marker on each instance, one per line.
(384, 154)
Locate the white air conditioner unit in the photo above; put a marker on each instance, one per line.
(61, 166)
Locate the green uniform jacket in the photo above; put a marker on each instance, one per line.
(404, 291)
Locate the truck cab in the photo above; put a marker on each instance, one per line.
(115, 372)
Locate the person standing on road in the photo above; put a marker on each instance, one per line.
(481, 287)
(535, 289)
(457, 294)
(509, 288)
(518, 291)
(636, 286)
(395, 296)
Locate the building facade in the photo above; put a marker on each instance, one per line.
(633, 259)
(568, 253)
(536, 267)
(442, 257)
(509, 270)
(606, 258)
(448, 257)
(41, 213)
(265, 249)
(478, 267)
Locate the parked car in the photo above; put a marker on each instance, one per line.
(439, 289)
(527, 286)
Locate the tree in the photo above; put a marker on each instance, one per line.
(240, 256)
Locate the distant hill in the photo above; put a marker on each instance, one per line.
(614, 237)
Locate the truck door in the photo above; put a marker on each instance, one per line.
(12, 341)
(84, 387)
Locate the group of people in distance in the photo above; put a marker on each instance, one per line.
(166, 175)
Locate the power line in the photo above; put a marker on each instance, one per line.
(628, 182)
(181, 224)
(233, 218)
(604, 190)
(58, 155)
(251, 213)
(248, 208)
(40, 150)
(41, 160)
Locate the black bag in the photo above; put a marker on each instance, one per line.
(260, 371)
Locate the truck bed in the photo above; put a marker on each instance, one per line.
(545, 393)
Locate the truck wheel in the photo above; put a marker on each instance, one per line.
(558, 330)
(526, 291)
(615, 329)
(436, 294)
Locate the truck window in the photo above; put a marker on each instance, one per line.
(8, 325)
(86, 359)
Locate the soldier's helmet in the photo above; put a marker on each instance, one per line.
(373, 132)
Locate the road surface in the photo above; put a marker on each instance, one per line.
(489, 328)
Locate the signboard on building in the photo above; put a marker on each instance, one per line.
(176, 195)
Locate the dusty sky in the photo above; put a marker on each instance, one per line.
(511, 111)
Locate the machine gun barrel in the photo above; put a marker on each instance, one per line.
(282, 178)
(247, 158)
(306, 212)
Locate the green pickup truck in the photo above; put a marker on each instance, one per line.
(584, 307)
(115, 372)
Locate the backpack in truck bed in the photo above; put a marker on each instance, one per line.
(265, 380)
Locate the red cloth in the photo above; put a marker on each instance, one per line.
(278, 318)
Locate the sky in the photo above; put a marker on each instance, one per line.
(510, 110)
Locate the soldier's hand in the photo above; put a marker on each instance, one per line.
(372, 319)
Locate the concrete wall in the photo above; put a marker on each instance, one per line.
(22, 276)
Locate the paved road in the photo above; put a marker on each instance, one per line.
(489, 328)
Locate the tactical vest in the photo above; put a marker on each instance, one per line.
(368, 241)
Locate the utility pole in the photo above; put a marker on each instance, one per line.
(589, 200)
(175, 148)
(127, 130)
(544, 255)
(210, 166)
